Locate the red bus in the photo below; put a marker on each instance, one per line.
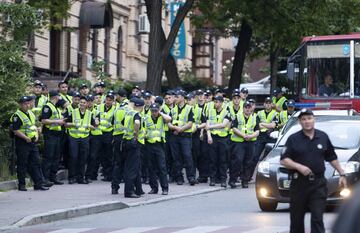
(324, 72)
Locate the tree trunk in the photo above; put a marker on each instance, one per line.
(159, 54)
(274, 64)
(241, 49)
(171, 72)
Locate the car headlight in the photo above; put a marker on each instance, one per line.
(349, 167)
(264, 168)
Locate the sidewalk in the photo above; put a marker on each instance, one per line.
(66, 201)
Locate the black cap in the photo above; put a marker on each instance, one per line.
(53, 93)
(170, 92)
(84, 98)
(305, 111)
(218, 90)
(90, 97)
(267, 100)
(62, 82)
(24, 99)
(138, 102)
(76, 94)
(180, 93)
(38, 83)
(137, 95)
(99, 84)
(137, 87)
(147, 95)
(290, 103)
(276, 91)
(122, 92)
(110, 95)
(208, 92)
(236, 92)
(199, 92)
(189, 96)
(219, 98)
(84, 85)
(244, 90)
(159, 100)
(247, 104)
(154, 107)
(252, 101)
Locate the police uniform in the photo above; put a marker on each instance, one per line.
(242, 151)
(131, 147)
(28, 158)
(285, 114)
(168, 156)
(181, 143)
(308, 191)
(155, 151)
(280, 103)
(106, 115)
(52, 139)
(79, 144)
(218, 150)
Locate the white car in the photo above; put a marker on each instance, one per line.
(262, 87)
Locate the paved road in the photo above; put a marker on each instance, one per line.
(225, 211)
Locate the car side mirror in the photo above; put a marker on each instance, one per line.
(274, 135)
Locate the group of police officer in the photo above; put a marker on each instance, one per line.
(143, 139)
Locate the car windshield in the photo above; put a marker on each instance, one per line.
(342, 134)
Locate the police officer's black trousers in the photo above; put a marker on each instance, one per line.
(203, 159)
(155, 153)
(93, 162)
(144, 164)
(132, 163)
(241, 157)
(106, 154)
(307, 194)
(28, 160)
(51, 156)
(118, 168)
(181, 152)
(168, 156)
(79, 152)
(64, 149)
(218, 152)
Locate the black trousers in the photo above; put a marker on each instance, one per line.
(118, 167)
(132, 163)
(203, 161)
(155, 153)
(241, 157)
(218, 153)
(196, 150)
(28, 161)
(106, 153)
(93, 163)
(51, 156)
(306, 194)
(144, 163)
(168, 156)
(182, 157)
(79, 152)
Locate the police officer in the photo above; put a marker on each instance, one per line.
(167, 107)
(105, 112)
(121, 97)
(27, 151)
(245, 129)
(52, 120)
(285, 114)
(278, 99)
(217, 127)
(267, 123)
(304, 155)
(180, 140)
(236, 105)
(40, 99)
(84, 90)
(63, 90)
(132, 139)
(155, 149)
(79, 122)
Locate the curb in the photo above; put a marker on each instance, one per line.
(95, 208)
(12, 184)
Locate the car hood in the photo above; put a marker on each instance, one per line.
(343, 155)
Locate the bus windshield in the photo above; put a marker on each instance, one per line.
(327, 66)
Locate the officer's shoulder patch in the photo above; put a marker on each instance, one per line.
(15, 118)
(46, 110)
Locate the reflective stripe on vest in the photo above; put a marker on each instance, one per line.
(279, 104)
(66, 98)
(182, 118)
(167, 110)
(154, 132)
(28, 126)
(263, 119)
(245, 127)
(55, 115)
(283, 117)
(214, 118)
(106, 118)
(82, 126)
(41, 103)
(119, 116)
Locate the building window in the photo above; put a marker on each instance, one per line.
(107, 49)
(119, 52)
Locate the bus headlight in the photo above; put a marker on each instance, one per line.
(264, 168)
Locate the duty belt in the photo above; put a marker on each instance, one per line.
(310, 177)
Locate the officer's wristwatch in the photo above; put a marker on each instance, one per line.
(342, 175)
